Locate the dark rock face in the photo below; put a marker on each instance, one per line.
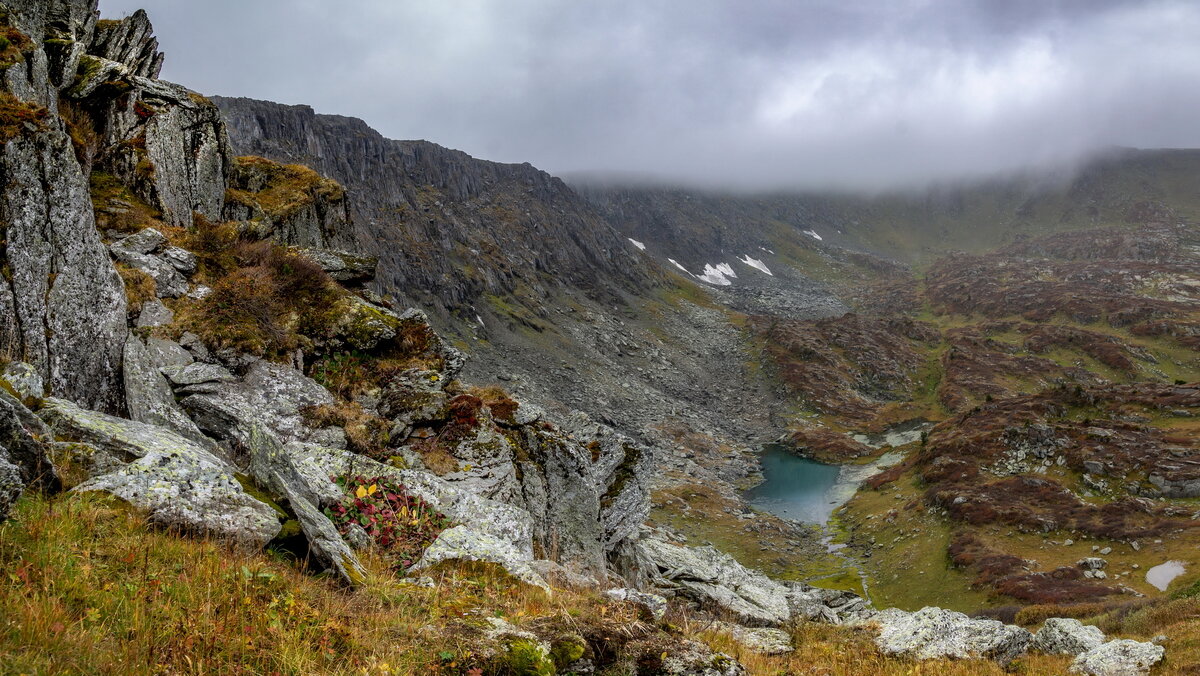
(446, 227)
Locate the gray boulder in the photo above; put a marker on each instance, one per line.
(145, 241)
(342, 266)
(154, 313)
(1063, 636)
(934, 633)
(269, 395)
(24, 380)
(1122, 657)
(168, 281)
(178, 483)
(652, 603)
(11, 484)
(273, 469)
(762, 640)
(149, 398)
(23, 459)
(22, 449)
(710, 576)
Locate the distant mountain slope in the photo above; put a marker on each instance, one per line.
(1121, 186)
(448, 228)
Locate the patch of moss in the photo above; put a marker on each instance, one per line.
(523, 657)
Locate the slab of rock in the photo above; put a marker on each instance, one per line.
(933, 633)
(462, 543)
(154, 313)
(145, 241)
(826, 606)
(24, 379)
(270, 395)
(1064, 636)
(197, 373)
(1122, 657)
(273, 469)
(62, 303)
(652, 603)
(762, 640)
(343, 266)
(164, 353)
(177, 482)
(149, 398)
(23, 458)
(169, 283)
(711, 576)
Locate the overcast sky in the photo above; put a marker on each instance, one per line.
(748, 93)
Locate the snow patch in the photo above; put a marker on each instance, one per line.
(638, 244)
(714, 276)
(756, 264)
(727, 270)
(767, 250)
(676, 264)
(814, 235)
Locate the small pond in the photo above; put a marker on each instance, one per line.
(795, 488)
(806, 490)
(1161, 575)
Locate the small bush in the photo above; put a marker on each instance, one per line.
(399, 523)
(140, 287)
(502, 406)
(82, 130)
(265, 300)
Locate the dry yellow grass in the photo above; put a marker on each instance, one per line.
(88, 587)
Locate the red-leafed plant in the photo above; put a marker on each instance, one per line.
(399, 523)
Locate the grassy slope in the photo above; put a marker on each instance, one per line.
(90, 588)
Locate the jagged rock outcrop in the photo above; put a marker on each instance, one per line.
(487, 530)
(291, 204)
(269, 395)
(129, 41)
(178, 483)
(149, 397)
(62, 304)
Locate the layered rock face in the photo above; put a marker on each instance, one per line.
(62, 305)
(446, 227)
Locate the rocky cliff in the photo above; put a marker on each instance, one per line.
(447, 228)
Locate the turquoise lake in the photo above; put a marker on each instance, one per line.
(795, 488)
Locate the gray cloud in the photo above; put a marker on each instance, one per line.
(772, 93)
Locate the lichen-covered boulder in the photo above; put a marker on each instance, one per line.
(343, 266)
(178, 483)
(711, 576)
(1122, 657)
(762, 640)
(272, 468)
(23, 437)
(462, 543)
(651, 603)
(827, 606)
(679, 657)
(270, 395)
(149, 397)
(24, 380)
(1064, 636)
(487, 530)
(935, 633)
